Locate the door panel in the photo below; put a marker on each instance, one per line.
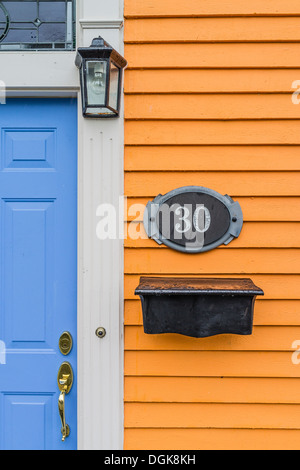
(38, 269)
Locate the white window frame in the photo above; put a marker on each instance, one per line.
(100, 180)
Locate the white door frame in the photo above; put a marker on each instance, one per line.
(100, 181)
(100, 282)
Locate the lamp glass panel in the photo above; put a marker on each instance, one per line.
(114, 86)
(96, 72)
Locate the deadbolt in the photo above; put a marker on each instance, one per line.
(100, 332)
(65, 343)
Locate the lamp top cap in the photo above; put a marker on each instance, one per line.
(100, 49)
(99, 41)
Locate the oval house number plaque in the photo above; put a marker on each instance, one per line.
(193, 219)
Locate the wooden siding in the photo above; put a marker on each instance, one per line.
(208, 102)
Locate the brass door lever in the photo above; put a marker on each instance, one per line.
(65, 382)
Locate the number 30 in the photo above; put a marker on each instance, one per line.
(187, 223)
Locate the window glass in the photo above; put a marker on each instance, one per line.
(37, 25)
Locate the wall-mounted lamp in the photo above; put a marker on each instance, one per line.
(101, 73)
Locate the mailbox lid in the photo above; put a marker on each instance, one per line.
(196, 286)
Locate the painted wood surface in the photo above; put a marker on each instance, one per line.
(209, 102)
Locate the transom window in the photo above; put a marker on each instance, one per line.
(37, 25)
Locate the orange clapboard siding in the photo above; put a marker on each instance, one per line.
(265, 261)
(279, 132)
(211, 390)
(212, 30)
(208, 158)
(211, 439)
(275, 286)
(209, 81)
(151, 8)
(261, 416)
(210, 364)
(253, 235)
(235, 184)
(264, 338)
(209, 102)
(254, 208)
(215, 107)
(228, 55)
(267, 312)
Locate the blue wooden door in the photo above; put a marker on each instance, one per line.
(38, 269)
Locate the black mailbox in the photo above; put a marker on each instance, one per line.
(197, 307)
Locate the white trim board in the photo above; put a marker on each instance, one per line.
(36, 70)
(101, 24)
(41, 93)
(100, 263)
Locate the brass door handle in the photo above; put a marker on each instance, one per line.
(65, 430)
(65, 382)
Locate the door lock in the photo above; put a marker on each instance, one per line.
(65, 343)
